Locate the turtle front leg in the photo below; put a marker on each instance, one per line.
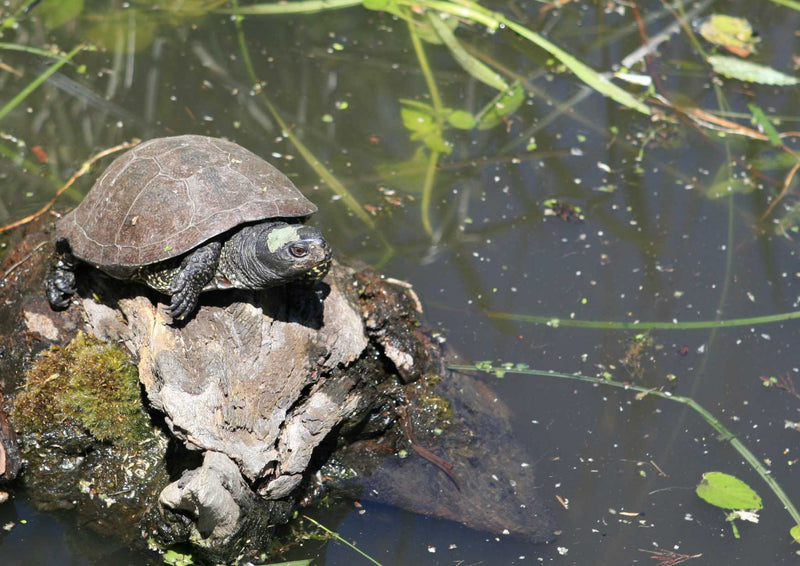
(196, 270)
(60, 282)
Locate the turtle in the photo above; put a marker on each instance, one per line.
(187, 214)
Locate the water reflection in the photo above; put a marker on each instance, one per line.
(652, 245)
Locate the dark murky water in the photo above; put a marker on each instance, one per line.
(652, 247)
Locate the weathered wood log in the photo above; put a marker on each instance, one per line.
(263, 387)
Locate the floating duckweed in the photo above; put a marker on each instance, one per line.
(88, 383)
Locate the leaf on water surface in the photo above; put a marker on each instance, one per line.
(760, 119)
(795, 532)
(469, 63)
(727, 492)
(503, 104)
(735, 68)
(732, 33)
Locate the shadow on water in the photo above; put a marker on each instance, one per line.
(571, 207)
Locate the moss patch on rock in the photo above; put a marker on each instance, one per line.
(88, 384)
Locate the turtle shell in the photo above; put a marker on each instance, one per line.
(167, 196)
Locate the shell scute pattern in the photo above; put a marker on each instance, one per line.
(168, 196)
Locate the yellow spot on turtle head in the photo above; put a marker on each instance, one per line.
(279, 237)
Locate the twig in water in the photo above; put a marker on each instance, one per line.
(79, 173)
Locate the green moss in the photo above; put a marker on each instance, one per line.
(87, 384)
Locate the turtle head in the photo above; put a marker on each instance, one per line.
(291, 252)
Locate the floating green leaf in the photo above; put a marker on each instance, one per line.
(727, 492)
(735, 68)
(504, 104)
(730, 32)
(469, 63)
(795, 533)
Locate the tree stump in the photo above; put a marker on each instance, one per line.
(258, 390)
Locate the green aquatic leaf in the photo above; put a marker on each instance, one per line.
(421, 106)
(425, 128)
(417, 120)
(461, 120)
(761, 119)
(585, 73)
(727, 492)
(735, 68)
(730, 32)
(110, 30)
(301, 7)
(795, 533)
(428, 33)
(725, 184)
(56, 14)
(382, 6)
(503, 104)
(469, 63)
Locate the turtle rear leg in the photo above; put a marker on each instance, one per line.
(196, 270)
(60, 282)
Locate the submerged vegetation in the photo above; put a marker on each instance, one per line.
(727, 91)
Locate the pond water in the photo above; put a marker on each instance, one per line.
(658, 220)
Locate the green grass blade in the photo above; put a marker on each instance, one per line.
(28, 49)
(788, 3)
(585, 73)
(335, 185)
(302, 7)
(343, 541)
(725, 434)
(469, 63)
(10, 105)
(612, 325)
(760, 118)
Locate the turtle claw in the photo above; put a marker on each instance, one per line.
(183, 304)
(60, 284)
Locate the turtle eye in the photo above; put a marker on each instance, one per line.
(298, 251)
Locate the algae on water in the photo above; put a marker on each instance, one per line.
(88, 384)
